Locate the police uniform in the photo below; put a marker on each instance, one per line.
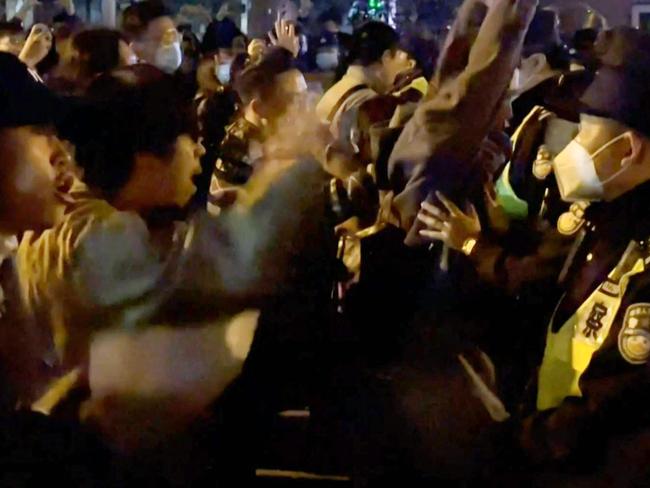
(526, 188)
(592, 387)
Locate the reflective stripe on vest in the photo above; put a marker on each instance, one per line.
(570, 350)
(515, 207)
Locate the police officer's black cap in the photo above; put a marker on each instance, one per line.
(564, 97)
(621, 88)
(23, 100)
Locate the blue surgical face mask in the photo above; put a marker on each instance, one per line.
(222, 72)
(169, 57)
(327, 60)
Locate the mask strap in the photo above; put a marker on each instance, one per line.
(609, 144)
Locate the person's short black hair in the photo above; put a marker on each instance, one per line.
(585, 39)
(332, 14)
(370, 42)
(220, 34)
(99, 50)
(239, 64)
(129, 111)
(258, 80)
(137, 17)
(25, 101)
(10, 28)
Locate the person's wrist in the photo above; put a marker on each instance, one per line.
(469, 246)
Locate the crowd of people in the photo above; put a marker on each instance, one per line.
(430, 248)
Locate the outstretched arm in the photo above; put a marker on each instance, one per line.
(439, 143)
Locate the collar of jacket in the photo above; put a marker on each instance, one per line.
(364, 75)
(627, 217)
(356, 75)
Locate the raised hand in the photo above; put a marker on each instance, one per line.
(284, 35)
(38, 44)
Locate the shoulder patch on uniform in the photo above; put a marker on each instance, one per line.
(634, 338)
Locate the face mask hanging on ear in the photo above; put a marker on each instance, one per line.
(575, 172)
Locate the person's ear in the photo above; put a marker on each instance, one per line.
(258, 107)
(387, 56)
(136, 47)
(635, 152)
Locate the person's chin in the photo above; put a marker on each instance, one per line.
(184, 202)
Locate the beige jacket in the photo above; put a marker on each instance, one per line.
(100, 271)
(355, 76)
(438, 145)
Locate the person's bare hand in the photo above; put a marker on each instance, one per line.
(284, 35)
(450, 226)
(37, 45)
(256, 49)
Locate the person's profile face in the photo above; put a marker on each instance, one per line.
(179, 172)
(28, 180)
(396, 63)
(160, 32)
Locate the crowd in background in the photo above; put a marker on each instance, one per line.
(396, 255)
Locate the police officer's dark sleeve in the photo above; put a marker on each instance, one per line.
(616, 395)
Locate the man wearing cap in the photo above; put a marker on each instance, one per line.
(593, 383)
(598, 344)
(375, 61)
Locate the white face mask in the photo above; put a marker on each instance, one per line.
(575, 172)
(169, 57)
(222, 72)
(327, 61)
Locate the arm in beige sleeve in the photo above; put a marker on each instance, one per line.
(455, 51)
(246, 253)
(439, 143)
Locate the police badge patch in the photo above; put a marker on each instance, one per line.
(634, 338)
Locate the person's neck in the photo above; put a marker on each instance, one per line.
(633, 205)
(252, 118)
(373, 77)
(132, 198)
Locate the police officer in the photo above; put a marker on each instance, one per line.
(592, 387)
